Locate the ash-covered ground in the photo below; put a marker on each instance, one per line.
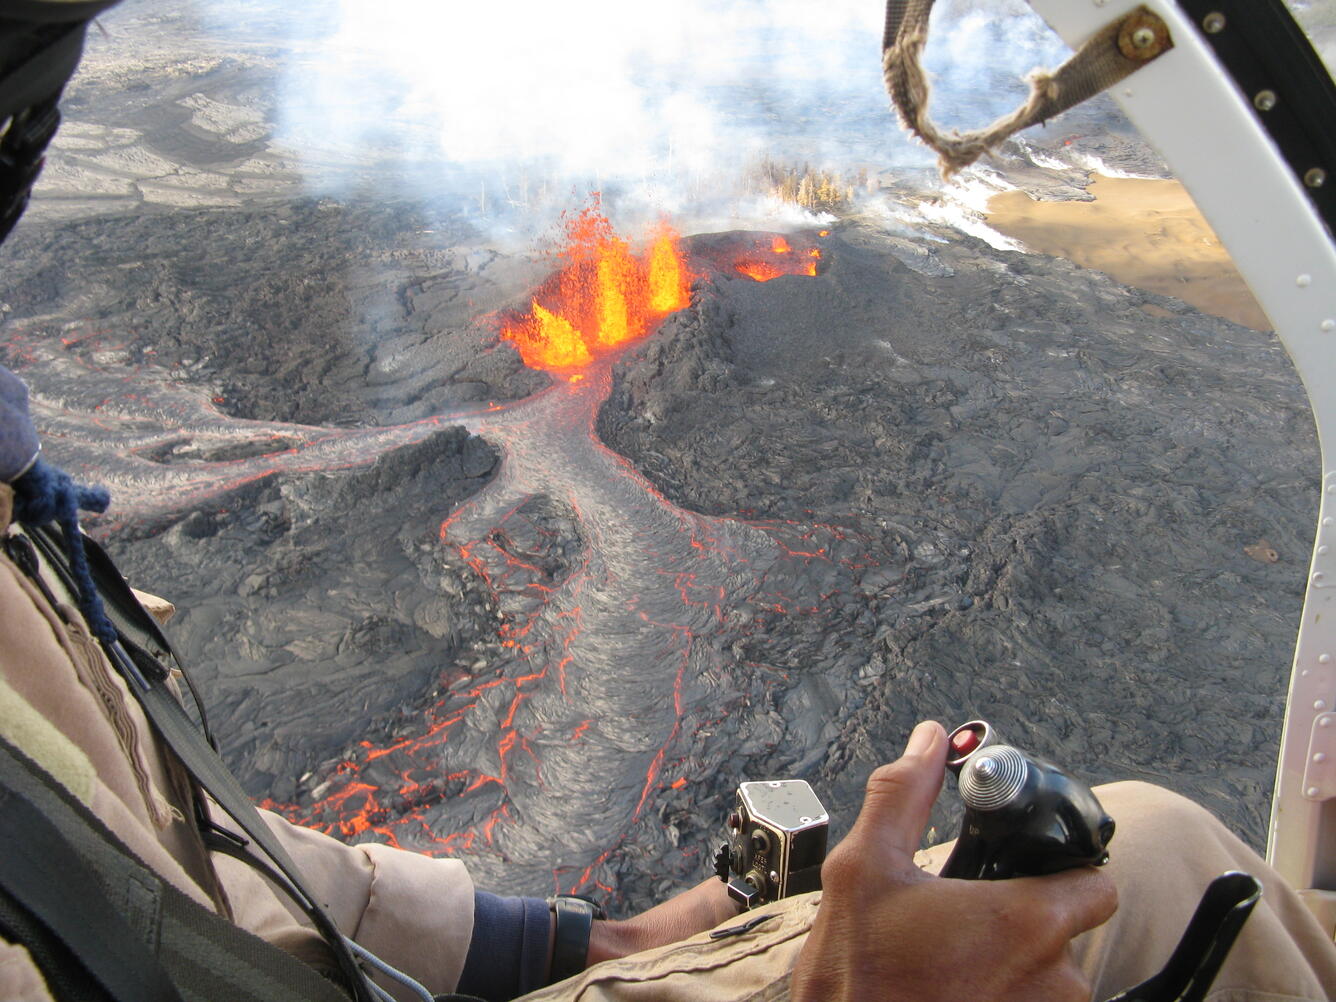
(434, 597)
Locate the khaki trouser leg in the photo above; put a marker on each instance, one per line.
(1165, 852)
(1163, 857)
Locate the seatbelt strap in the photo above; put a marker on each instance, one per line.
(136, 935)
(45, 876)
(180, 733)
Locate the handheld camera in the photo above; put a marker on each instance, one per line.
(776, 842)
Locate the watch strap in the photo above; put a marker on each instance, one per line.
(573, 921)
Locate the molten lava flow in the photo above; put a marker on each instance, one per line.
(618, 278)
(603, 297)
(774, 258)
(761, 271)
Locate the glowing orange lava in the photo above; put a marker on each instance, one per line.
(761, 271)
(776, 257)
(603, 297)
(668, 277)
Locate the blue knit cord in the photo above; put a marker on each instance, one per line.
(45, 494)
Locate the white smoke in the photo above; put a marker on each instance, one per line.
(661, 106)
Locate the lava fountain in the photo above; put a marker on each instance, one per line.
(603, 296)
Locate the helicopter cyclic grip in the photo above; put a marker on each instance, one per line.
(1024, 816)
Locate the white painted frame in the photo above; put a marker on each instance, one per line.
(1190, 110)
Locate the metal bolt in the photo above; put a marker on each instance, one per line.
(1315, 177)
(1312, 791)
(1319, 704)
(1320, 757)
(1142, 36)
(1264, 100)
(1214, 22)
(1327, 326)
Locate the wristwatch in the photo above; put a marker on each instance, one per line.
(573, 919)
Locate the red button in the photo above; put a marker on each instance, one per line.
(964, 742)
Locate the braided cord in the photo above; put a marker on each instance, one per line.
(45, 494)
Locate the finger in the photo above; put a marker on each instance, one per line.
(1075, 900)
(900, 795)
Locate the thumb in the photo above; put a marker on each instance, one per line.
(900, 795)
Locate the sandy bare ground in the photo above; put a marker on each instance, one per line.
(1145, 232)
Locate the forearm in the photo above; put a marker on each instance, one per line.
(702, 907)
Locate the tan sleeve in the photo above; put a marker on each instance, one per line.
(412, 911)
(20, 979)
(159, 608)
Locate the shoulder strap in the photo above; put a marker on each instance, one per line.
(185, 739)
(103, 926)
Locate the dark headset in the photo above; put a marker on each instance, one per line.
(40, 45)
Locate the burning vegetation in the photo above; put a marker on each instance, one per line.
(814, 190)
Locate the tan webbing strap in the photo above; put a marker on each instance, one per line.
(1112, 54)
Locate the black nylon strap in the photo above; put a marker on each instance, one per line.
(185, 739)
(143, 639)
(205, 956)
(43, 874)
(202, 762)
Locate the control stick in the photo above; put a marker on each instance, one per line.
(1024, 816)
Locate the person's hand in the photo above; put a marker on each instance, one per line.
(886, 930)
(702, 907)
